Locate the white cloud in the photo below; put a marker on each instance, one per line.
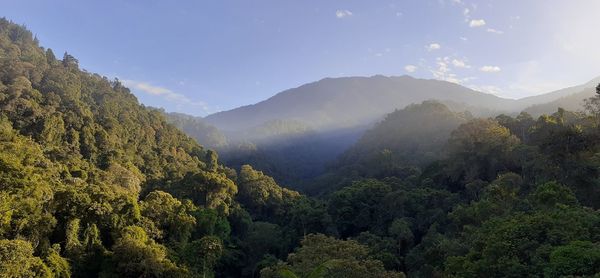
(443, 64)
(490, 69)
(466, 12)
(342, 13)
(460, 64)
(410, 68)
(464, 39)
(433, 46)
(443, 71)
(165, 93)
(491, 30)
(476, 23)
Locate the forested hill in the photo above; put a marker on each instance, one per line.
(415, 135)
(76, 152)
(93, 126)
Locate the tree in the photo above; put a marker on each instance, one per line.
(136, 255)
(212, 158)
(552, 194)
(170, 215)
(578, 258)
(17, 260)
(308, 215)
(58, 265)
(592, 104)
(263, 239)
(204, 253)
(357, 207)
(69, 61)
(480, 149)
(518, 245)
(261, 195)
(340, 258)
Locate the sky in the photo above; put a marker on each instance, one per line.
(201, 57)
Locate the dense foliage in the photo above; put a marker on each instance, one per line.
(93, 184)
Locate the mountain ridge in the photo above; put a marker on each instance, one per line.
(335, 92)
(359, 100)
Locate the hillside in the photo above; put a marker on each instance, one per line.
(414, 135)
(407, 138)
(84, 167)
(334, 103)
(556, 96)
(572, 102)
(351, 101)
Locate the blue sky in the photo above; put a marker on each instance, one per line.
(200, 57)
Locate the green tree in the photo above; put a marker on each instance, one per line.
(578, 258)
(203, 254)
(339, 258)
(480, 149)
(170, 215)
(136, 255)
(58, 265)
(17, 260)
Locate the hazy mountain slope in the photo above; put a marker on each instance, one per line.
(573, 102)
(351, 101)
(557, 95)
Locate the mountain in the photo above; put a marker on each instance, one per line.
(556, 96)
(570, 99)
(334, 103)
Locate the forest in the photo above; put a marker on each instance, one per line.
(95, 184)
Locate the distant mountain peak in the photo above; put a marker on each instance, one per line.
(344, 102)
